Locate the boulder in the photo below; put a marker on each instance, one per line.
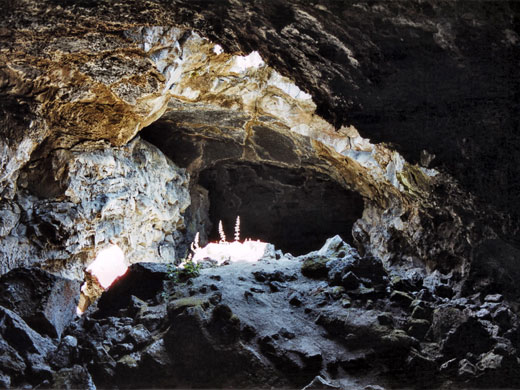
(335, 247)
(142, 280)
(470, 336)
(358, 328)
(367, 268)
(46, 302)
(204, 348)
(421, 367)
(11, 363)
(100, 364)
(418, 328)
(76, 377)
(498, 370)
(444, 319)
(421, 311)
(350, 281)
(65, 354)
(315, 267)
(155, 358)
(21, 337)
(466, 370)
(139, 335)
(29, 345)
(401, 298)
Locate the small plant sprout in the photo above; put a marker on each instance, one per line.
(187, 269)
(237, 229)
(221, 232)
(224, 252)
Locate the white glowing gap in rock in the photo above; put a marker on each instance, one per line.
(217, 49)
(109, 264)
(247, 252)
(243, 63)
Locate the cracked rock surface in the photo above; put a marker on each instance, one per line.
(330, 317)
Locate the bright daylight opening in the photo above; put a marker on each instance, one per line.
(243, 63)
(109, 264)
(247, 251)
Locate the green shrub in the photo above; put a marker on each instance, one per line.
(186, 270)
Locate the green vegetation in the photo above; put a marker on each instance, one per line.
(184, 271)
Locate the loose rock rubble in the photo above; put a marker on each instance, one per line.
(328, 319)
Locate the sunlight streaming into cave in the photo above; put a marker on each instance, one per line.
(109, 264)
(242, 63)
(247, 251)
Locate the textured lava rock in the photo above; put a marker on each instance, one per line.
(73, 378)
(79, 80)
(494, 268)
(142, 280)
(131, 196)
(228, 328)
(354, 59)
(45, 301)
(19, 340)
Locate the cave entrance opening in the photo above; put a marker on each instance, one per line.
(294, 209)
(293, 202)
(110, 263)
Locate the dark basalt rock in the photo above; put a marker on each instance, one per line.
(315, 267)
(470, 336)
(495, 268)
(11, 363)
(246, 336)
(76, 377)
(436, 81)
(45, 301)
(17, 340)
(142, 280)
(205, 351)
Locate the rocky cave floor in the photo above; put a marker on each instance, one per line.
(328, 319)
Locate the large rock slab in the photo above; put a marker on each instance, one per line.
(142, 280)
(11, 363)
(21, 337)
(45, 301)
(22, 342)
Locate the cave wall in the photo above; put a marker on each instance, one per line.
(140, 123)
(74, 203)
(74, 73)
(435, 76)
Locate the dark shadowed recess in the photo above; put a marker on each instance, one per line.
(295, 209)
